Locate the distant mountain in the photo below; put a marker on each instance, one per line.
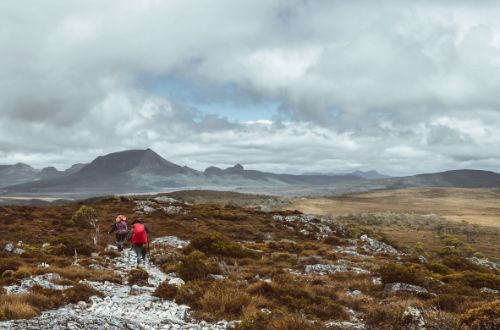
(119, 172)
(136, 171)
(239, 175)
(455, 179)
(15, 174)
(370, 175)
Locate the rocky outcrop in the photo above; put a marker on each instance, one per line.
(325, 269)
(373, 246)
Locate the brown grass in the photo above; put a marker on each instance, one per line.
(225, 300)
(138, 276)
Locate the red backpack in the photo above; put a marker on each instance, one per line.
(139, 235)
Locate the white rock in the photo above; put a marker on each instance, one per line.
(324, 269)
(176, 281)
(172, 241)
(355, 293)
(82, 304)
(43, 265)
(398, 287)
(488, 290)
(413, 319)
(374, 246)
(345, 325)
(9, 247)
(110, 247)
(19, 251)
(485, 263)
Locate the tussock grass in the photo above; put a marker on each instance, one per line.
(138, 276)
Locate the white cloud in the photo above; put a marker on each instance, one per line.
(415, 84)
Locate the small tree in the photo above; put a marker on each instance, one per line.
(86, 217)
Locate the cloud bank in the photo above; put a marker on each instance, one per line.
(402, 88)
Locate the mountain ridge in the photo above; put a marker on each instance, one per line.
(143, 170)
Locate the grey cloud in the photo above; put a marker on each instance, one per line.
(353, 80)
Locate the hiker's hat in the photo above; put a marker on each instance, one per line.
(121, 217)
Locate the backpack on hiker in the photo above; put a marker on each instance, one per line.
(121, 228)
(139, 235)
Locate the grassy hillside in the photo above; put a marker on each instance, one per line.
(270, 270)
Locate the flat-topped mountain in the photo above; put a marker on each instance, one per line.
(133, 160)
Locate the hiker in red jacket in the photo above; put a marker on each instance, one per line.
(138, 236)
(120, 227)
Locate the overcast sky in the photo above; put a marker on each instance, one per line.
(289, 86)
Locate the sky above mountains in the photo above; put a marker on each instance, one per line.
(283, 86)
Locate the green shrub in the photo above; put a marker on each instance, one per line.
(458, 263)
(392, 273)
(84, 217)
(138, 276)
(196, 266)
(450, 240)
(8, 274)
(474, 279)
(66, 245)
(215, 244)
(484, 317)
(438, 268)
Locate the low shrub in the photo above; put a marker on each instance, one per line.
(80, 292)
(196, 266)
(285, 245)
(474, 279)
(393, 272)
(383, 316)
(16, 309)
(484, 317)
(84, 216)
(138, 276)
(9, 264)
(66, 245)
(300, 297)
(166, 291)
(215, 244)
(448, 302)
(43, 299)
(277, 321)
(225, 300)
(191, 292)
(438, 268)
(458, 263)
(8, 274)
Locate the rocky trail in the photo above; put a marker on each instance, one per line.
(121, 307)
